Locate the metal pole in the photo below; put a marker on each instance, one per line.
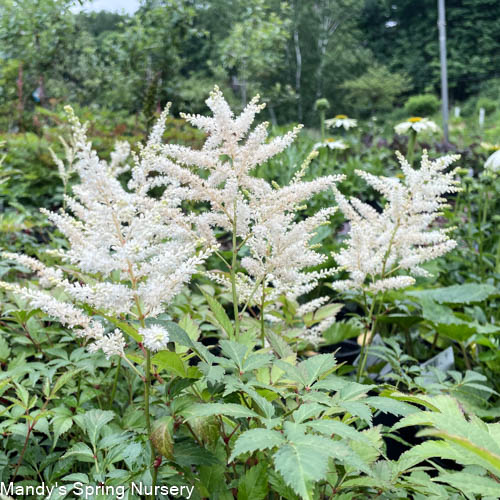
(444, 72)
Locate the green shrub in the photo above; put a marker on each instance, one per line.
(422, 105)
(489, 105)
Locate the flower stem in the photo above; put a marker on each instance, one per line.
(411, 146)
(115, 382)
(262, 306)
(233, 278)
(147, 384)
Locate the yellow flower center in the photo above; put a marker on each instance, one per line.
(341, 117)
(415, 119)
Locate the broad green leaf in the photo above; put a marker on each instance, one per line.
(93, 421)
(162, 437)
(280, 346)
(457, 294)
(188, 453)
(234, 351)
(317, 367)
(4, 350)
(336, 428)
(171, 362)
(125, 327)
(62, 380)
(388, 405)
(61, 424)
(256, 439)
(473, 484)
(219, 313)
(486, 457)
(228, 409)
(307, 411)
(341, 331)
(81, 452)
(254, 485)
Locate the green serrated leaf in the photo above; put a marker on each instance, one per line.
(253, 485)
(81, 452)
(171, 362)
(228, 409)
(93, 421)
(256, 439)
(220, 315)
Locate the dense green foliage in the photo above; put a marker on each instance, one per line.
(259, 412)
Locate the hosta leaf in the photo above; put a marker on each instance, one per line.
(256, 439)
(457, 294)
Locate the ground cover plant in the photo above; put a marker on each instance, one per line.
(183, 330)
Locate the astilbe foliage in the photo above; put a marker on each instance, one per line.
(404, 234)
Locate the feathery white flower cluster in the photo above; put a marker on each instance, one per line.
(132, 253)
(404, 234)
(417, 124)
(341, 121)
(260, 213)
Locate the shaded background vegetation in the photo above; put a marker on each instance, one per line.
(365, 57)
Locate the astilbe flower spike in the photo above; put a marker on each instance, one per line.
(128, 255)
(404, 234)
(262, 215)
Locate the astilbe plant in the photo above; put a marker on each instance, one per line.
(385, 249)
(260, 216)
(131, 252)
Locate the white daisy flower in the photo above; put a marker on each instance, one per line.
(493, 162)
(332, 144)
(417, 124)
(341, 121)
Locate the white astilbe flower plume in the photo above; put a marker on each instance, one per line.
(261, 214)
(128, 253)
(401, 237)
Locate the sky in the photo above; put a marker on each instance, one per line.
(129, 6)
